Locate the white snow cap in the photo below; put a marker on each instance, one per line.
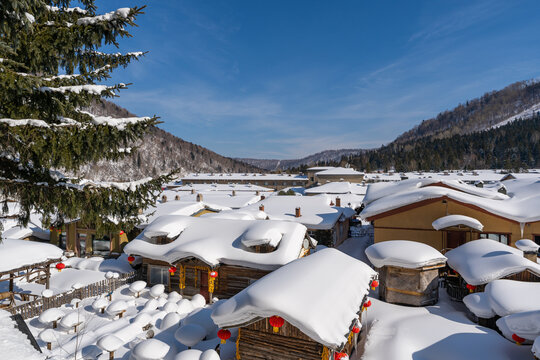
(137, 286)
(198, 301)
(509, 297)
(404, 253)
(72, 319)
(262, 233)
(17, 253)
(190, 354)
(50, 315)
(109, 343)
(524, 324)
(482, 261)
(190, 334)
(157, 290)
(536, 347)
(320, 294)
(151, 349)
(479, 305)
(216, 241)
(527, 245)
(116, 307)
(455, 220)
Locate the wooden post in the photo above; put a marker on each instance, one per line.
(111, 355)
(11, 282)
(47, 276)
(49, 346)
(71, 237)
(88, 244)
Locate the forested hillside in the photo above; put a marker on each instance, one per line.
(512, 146)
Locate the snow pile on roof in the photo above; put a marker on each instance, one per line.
(455, 220)
(484, 260)
(520, 206)
(247, 214)
(13, 343)
(170, 207)
(536, 347)
(220, 187)
(320, 294)
(18, 253)
(527, 245)
(404, 253)
(262, 233)
(336, 171)
(316, 212)
(509, 297)
(479, 305)
(340, 187)
(216, 241)
(525, 325)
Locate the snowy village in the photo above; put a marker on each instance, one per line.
(122, 241)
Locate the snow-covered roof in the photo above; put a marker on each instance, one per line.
(216, 241)
(525, 325)
(320, 294)
(16, 253)
(509, 296)
(479, 305)
(527, 245)
(15, 344)
(455, 220)
(234, 177)
(521, 205)
(220, 187)
(339, 171)
(404, 253)
(316, 212)
(320, 168)
(171, 207)
(338, 187)
(482, 261)
(536, 347)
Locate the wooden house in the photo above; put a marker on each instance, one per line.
(23, 259)
(418, 210)
(216, 256)
(274, 181)
(477, 263)
(310, 308)
(408, 272)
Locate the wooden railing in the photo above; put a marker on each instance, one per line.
(36, 307)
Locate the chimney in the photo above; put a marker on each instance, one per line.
(331, 203)
(199, 197)
(164, 198)
(297, 212)
(193, 191)
(338, 202)
(257, 193)
(531, 255)
(234, 193)
(263, 197)
(177, 197)
(261, 207)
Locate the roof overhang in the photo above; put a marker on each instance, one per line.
(457, 220)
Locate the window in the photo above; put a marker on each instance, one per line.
(537, 239)
(158, 275)
(502, 238)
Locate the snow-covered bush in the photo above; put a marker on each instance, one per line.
(137, 287)
(190, 334)
(198, 301)
(150, 349)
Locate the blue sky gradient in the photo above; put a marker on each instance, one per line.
(284, 79)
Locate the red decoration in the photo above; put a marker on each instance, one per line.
(374, 284)
(172, 270)
(213, 274)
(276, 322)
(355, 329)
(122, 232)
(518, 339)
(471, 287)
(60, 266)
(131, 258)
(340, 356)
(366, 304)
(224, 335)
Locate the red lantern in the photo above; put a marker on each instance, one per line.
(122, 232)
(60, 266)
(355, 329)
(374, 284)
(340, 356)
(366, 304)
(213, 274)
(518, 339)
(276, 322)
(131, 258)
(224, 335)
(172, 270)
(471, 287)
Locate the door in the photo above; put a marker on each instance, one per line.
(455, 239)
(203, 284)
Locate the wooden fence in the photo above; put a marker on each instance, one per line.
(36, 307)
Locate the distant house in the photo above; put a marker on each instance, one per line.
(326, 221)
(310, 308)
(274, 181)
(338, 174)
(184, 252)
(448, 213)
(313, 170)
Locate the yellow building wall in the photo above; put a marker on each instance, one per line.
(415, 224)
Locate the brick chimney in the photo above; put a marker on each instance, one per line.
(263, 197)
(297, 212)
(177, 197)
(338, 202)
(234, 193)
(199, 197)
(164, 198)
(193, 191)
(261, 207)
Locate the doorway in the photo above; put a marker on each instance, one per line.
(455, 238)
(203, 284)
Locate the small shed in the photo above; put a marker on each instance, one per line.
(408, 271)
(308, 309)
(214, 255)
(482, 261)
(25, 259)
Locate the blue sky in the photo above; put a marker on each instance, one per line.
(284, 79)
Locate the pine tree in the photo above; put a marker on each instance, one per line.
(49, 69)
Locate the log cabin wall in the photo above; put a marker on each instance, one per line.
(524, 276)
(416, 287)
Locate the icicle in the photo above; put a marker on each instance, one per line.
(521, 227)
